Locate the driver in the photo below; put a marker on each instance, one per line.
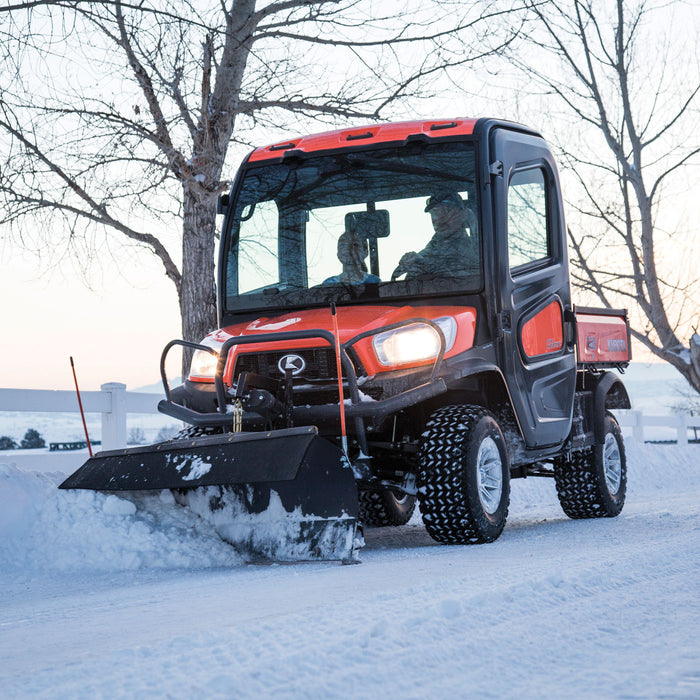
(352, 253)
(452, 250)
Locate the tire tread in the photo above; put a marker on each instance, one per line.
(378, 508)
(444, 506)
(581, 486)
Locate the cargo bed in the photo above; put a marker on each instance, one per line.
(602, 338)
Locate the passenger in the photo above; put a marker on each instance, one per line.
(352, 253)
(452, 250)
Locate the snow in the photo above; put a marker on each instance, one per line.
(197, 469)
(44, 530)
(654, 388)
(256, 325)
(274, 533)
(102, 596)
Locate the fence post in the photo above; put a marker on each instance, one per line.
(114, 422)
(638, 429)
(682, 429)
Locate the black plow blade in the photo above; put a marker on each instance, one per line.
(284, 495)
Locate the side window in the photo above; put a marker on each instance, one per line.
(528, 239)
(257, 248)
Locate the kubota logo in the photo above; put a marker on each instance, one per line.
(295, 363)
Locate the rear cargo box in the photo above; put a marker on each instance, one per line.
(602, 337)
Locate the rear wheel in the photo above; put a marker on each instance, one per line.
(463, 477)
(593, 483)
(386, 507)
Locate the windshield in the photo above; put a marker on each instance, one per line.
(378, 224)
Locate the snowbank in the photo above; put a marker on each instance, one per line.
(44, 529)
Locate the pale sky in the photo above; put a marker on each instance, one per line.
(115, 333)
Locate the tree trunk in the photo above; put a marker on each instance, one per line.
(198, 287)
(688, 362)
(695, 361)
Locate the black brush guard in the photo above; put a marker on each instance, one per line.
(306, 415)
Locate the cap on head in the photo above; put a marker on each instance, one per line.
(451, 198)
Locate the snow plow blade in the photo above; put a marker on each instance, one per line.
(283, 495)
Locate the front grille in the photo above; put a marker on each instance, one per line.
(320, 363)
(316, 384)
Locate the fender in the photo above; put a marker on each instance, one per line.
(609, 392)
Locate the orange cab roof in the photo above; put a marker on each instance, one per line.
(361, 135)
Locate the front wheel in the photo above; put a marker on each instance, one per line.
(463, 477)
(386, 507)
(593, 483)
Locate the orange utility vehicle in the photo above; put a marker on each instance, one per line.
(425, 264)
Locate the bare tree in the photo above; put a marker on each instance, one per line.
(119, 116)
(631, 96)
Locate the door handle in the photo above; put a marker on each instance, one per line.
(503, 324)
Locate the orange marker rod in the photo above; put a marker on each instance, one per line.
(80, 403)
(339, 369)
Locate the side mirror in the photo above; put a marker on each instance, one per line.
(222, 204)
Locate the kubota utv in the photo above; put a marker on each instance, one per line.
(371, 353)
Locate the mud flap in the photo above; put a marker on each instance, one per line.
(283, 495)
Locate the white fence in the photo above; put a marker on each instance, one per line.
(680, 422)
(113, 401)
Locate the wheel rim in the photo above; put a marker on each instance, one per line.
(612, 463)
(399, 498)
(489, 475)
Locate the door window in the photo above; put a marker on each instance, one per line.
(528, 240)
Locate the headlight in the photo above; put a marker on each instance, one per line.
(413, 343)
(203, 365)
(448, 326)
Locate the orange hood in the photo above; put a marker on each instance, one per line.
(352, 320)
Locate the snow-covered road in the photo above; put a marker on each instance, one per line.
(111, 603)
